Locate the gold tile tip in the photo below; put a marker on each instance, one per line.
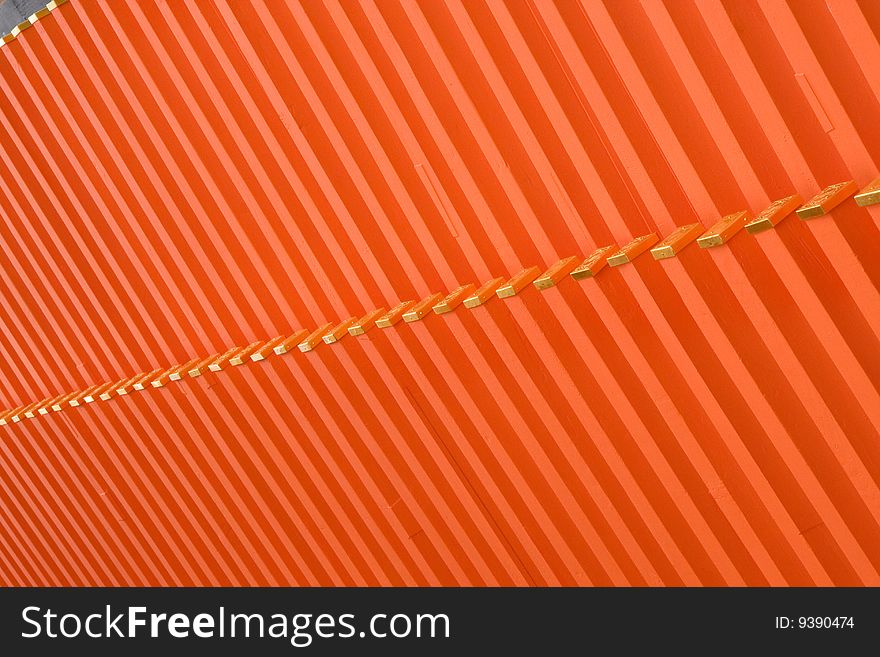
(722, 231)
(21, 27)
(594, 262)
(452, 300)
(339, 331)
(160, 379)
(758, 226)
(366, 322)
(676, 241)
(27, 412)
(178, 371)
(868, 199)
(555, 273)
(220, 362)
(313, 339)
(422, 308)
(708, 241)
(164, 378)
(826, 200)
(518, 282)
(869, 195)
(662, 252)
(37, 15)
(394, 315)
(244, 355)
(34, 410)
(485, 292)
(79, 398)
(810, 212)
(632, 250)
(262, 352)
(774, 213)
(286, 345)
(50, 405)
(619, 258)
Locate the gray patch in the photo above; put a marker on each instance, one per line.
(13, 12)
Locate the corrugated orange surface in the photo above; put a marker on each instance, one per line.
(178, 178)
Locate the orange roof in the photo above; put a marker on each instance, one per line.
(180, 182)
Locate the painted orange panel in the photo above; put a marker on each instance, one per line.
(182, 179)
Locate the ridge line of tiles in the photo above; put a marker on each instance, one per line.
(467, 295)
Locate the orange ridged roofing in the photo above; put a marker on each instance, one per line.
(182, 178)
